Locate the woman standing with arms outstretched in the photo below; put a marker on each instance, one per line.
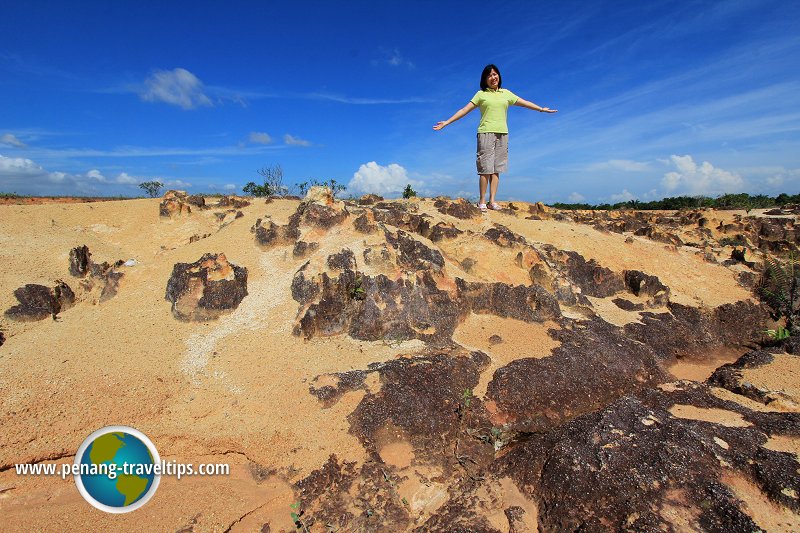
(492, 157)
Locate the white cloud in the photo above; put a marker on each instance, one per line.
(704, 179)
(291, 140)
(383, 180)
(24, 176)
(576, 198)
(230, 187)
(177, 184)
(260, 138)
(624, 196)
(177, 87)
(124, 179)
(11, 140)
(624, 165)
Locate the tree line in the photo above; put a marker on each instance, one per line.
(726, 201)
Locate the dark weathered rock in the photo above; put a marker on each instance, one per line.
(106, 274)
(531, 304)
(197, 201)
(232, 201)
(369, 199)
(344, 260)
(627, 305)
(377, 255)
(37, 302)
(689, 331)
(302, 248)
(365, 223)
(174, 203)
(420, 396)
(594, 366)
(729, 376)
(373, 308)
(337, 497)
(207, 288)
(323, 216)
(271, 234)
(2, 338)
(79, 261)
(412, 254)
(593, 279)
(459, 208)
(502, 236)
(641, 284)
(442, 231)
(402, 217)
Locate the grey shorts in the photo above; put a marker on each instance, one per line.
(492, 157)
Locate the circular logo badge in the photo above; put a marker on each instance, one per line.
(117, 469)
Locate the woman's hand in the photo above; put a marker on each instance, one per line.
(439, 125)
(548, 110)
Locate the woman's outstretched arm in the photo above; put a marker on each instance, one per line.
(460, 113)
(530, 105)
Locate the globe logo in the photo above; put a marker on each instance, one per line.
(117, 469)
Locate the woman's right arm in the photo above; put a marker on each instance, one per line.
(460, 113)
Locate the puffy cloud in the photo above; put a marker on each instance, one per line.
(384, 180)
(24, 176)
(177, 87)
(624, 196)
(230, 187)
(576, 198)
(11, 140)
(295, 141)
(704, 179)
(257, 137)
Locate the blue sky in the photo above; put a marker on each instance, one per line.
(655, 98)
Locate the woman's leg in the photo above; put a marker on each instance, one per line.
(494, 181)
(484, 179)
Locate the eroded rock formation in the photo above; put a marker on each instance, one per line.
(207, 288)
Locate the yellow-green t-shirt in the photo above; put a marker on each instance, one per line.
(494, 108)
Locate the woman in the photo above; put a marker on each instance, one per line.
(492, 157)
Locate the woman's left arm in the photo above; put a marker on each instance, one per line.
(530, 105)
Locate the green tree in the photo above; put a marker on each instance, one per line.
(408, 192)
(152, 188)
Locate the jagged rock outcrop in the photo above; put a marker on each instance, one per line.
(642, 464)
(272, 234)
(37, 302)
(232, 201)
(79, 261)
(370, 199)
(373, 308)
(459, 208)
(174, 203)
(412, 254)
(105, 274)
(197, 201)
(206, 289)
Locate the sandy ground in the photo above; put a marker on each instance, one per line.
(236, 390)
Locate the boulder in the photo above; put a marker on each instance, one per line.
(459, 208)
(105, 274)
(232, 201)
(174, 203)
(369, 199)
(79, 261)
(206, 289)
(37, 302)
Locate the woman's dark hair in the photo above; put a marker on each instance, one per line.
(485, 74)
